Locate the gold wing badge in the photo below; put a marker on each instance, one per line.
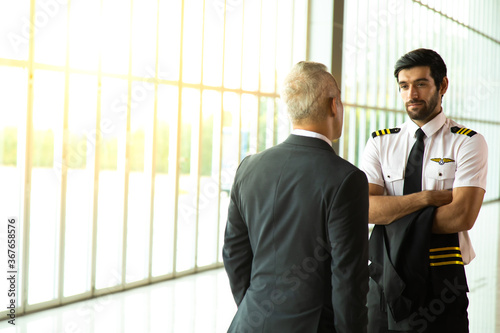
(442, 161)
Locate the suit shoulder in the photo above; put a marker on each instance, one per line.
(344, 168)
(385, 131)
(356, 175)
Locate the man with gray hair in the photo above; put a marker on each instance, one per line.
(296, 239)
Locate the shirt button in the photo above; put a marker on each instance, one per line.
(440, 174)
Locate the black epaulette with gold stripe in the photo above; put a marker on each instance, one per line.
(445, 256)
(463, 130)
(386, 131)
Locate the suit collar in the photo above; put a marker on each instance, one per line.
(308, 141)
(302, 132)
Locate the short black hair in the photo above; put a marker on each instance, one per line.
(423, 57)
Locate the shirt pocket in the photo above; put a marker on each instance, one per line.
(440, 177)
(394, 181)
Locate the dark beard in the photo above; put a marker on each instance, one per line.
(426, 110)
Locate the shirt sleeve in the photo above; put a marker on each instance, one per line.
(371, 165)
(472, 163)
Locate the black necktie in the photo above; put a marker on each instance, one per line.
(413, 172)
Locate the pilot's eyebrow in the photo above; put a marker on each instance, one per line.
(417, 80)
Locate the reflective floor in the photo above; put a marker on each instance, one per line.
(195, 303)
(203, 302)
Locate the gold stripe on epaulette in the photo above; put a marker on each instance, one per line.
(434, 258)
(451, 255)
(446, 263)
(444, 249)
(463, 131)
(385, 131)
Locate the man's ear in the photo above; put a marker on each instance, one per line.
(333, 106)
(444, 86)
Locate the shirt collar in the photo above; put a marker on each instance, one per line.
(311, 134)
(431, 127)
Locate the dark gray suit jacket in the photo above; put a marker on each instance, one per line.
(296, 241)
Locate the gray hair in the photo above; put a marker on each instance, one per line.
(307, 91)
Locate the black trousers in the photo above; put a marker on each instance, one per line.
(444, 311)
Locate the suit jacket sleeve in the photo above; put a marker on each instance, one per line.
(237, 251)
(348, 234)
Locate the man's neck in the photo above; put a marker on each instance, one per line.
(307, 133)
(421, 123)
(313, 128)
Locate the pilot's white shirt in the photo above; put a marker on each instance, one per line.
(452, 158)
